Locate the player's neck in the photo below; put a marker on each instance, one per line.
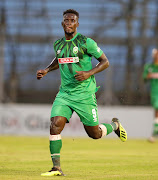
(69, 37)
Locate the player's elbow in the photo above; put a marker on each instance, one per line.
(106, 64)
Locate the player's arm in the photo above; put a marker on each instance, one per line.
(103, 64)
(52, 66)
(95, 51)
(152, 76)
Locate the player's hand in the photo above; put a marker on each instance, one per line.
(41, 73)
(153, 76)
(82, 75)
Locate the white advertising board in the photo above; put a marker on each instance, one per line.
(33, 120)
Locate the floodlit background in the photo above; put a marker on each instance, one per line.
(126, 30)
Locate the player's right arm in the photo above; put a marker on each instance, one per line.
(52, 66)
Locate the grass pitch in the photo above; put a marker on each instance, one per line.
(27, 157)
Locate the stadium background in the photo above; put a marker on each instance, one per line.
(125, 30)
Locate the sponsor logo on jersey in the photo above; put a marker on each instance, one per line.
(75, 50)
(68, 60)
(58, 51)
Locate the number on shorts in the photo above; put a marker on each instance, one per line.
(94, 115)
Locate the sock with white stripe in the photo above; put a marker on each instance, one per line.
(107, 128)
(55, 147)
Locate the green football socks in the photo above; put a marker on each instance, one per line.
(109, 128)
(55, 147)
(155, 129)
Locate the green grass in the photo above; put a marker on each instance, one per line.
(27, 157)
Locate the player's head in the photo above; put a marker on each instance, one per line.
(155, 55)
(70, 21)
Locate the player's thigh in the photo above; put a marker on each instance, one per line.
(60, 114)
(57, 124)
(61, 108)
(88, 111)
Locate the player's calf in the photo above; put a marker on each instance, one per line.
(93, 132)
(104, 129)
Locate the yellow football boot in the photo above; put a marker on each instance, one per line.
(53, 172)
(121, 132)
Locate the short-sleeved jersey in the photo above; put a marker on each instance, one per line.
(151, 68)
(76, 55)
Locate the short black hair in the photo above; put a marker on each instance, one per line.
(71, 11)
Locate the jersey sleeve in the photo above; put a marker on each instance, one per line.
(93, 49)
(145, 72)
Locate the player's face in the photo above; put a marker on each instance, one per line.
(70, 23)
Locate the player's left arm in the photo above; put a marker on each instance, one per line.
(152, 76)
(95, 51)
(103, 64)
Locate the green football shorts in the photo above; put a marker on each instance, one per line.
(154, 101)
(84, 105)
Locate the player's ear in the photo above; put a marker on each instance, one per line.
(62, 23)
(77, 24)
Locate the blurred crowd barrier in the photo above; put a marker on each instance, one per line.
(33, 120)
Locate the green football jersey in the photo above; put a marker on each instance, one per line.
(151, 68)
(76, 55)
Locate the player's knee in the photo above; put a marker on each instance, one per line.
(55, 125)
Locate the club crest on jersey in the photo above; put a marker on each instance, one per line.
(58, 51)
(75, 50)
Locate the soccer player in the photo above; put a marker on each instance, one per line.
(151, 74)
(78, 86)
